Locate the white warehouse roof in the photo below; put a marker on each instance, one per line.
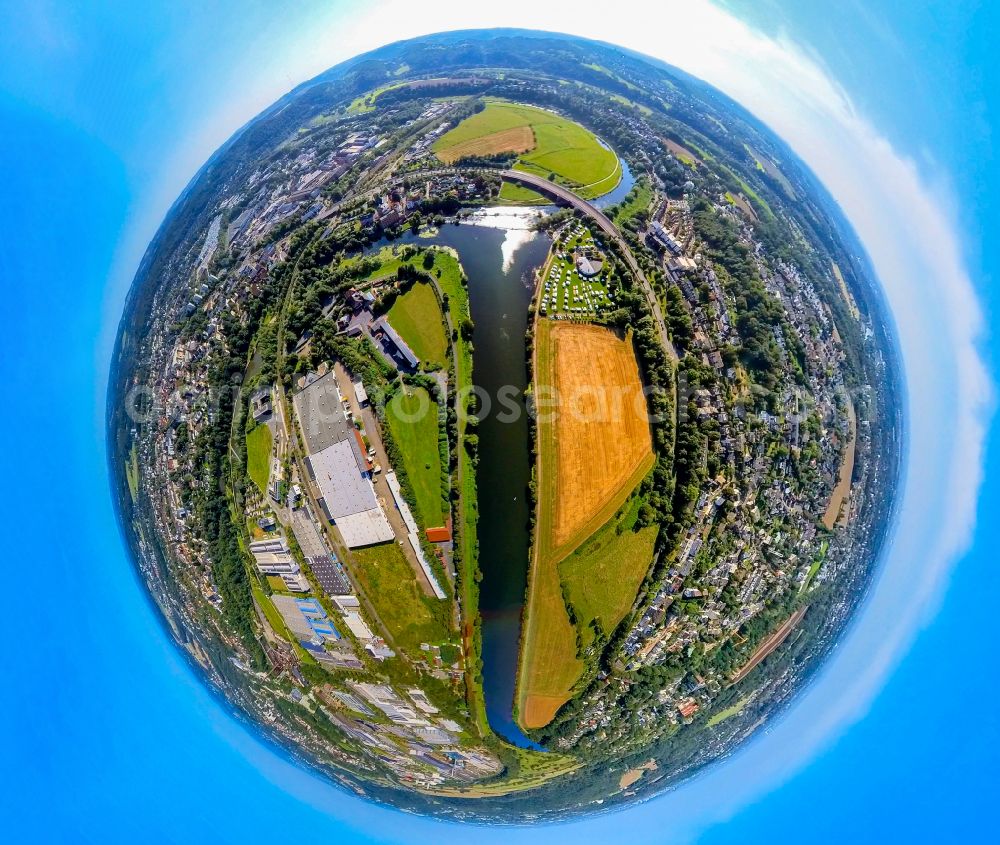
(345, 490)
(365, 528)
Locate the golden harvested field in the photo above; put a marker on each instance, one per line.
(539, 709)
(594, 448)
(547, 143)
(843, 489)
(518, 139)
(600, 436)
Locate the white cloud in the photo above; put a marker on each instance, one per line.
(901, 215)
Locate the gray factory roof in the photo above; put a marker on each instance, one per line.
(321, 414)
(365, 528)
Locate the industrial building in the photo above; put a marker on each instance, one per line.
(273, 558)
(338, 464)
(393, 345)
(306, 619)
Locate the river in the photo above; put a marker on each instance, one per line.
(499, 256)
(500, 253)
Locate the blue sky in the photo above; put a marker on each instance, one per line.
(107, 112)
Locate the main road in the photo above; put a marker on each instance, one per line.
(567, 197)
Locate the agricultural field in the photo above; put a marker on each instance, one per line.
(603, 576)
(417, 317)
(618, 98)
(132, 472)
(549, 663)
(556, 146)
(516, 139)
(845, 291)
(565, 292)
(259, 456)
(765, 164)
(390, 583)
(740, 202)
(498, 128)
(413, 420)
(595, 451)
(835, 510)
(591, 456)
(682, 153)
(758, 202)
(366, 102)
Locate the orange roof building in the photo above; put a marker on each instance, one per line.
(439, 535)
(687, 708)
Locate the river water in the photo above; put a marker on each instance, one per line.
(500, 253)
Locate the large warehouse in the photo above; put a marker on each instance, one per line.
(339, 465)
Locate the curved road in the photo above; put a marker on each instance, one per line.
(561, 195)
(567, 197)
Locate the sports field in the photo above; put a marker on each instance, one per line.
(594, 448)
(547, 142)
(416, 315)
(413, 420)
(259, 456)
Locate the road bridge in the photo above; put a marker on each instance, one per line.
(565, 196)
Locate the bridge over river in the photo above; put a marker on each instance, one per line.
(565, 196)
